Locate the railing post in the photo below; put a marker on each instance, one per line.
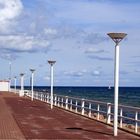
(136, 123)
(121, 114)
(37, 95)
(89, 112)
(45, 98)
(66, 102)
(41, 97)
(83, 105)
(48, 98)
(98, 113)
(62, 102)
(108, 113)
(71, 104)
(58, 104)
(76, 103)
(55, 100)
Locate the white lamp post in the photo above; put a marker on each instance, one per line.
(22, 84)
(32, 83)
(15, 78)
(10, 71)
(116, 37)
(51, 64)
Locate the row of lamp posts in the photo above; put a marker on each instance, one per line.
(21, 92)
(117, 38)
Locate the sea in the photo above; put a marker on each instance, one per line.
(129, 96)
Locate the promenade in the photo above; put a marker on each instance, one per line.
(21, 118)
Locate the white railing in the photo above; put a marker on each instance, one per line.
(129, 117)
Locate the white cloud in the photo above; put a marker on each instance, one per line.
(23, 43)
(96, 73)
(75, 73)
(94, 50)
(137, 70)
(47, 78)
(50, 31)
(10, 9)
(100, 58)
(8, 56)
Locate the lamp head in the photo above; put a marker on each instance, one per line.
(32, 70)
(22, 74)
(117, 37)
(51, 62)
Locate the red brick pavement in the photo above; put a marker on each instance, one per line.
(8, 126)
(35, 120)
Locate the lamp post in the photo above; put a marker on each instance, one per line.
(10, 72)
(22, 84)
(15, 78)
(51, 71)
(117, 38)
(32, 83)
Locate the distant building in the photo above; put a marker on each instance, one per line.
(4, 85)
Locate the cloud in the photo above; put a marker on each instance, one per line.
(135, 56)
(94, 50)
(47, 78)
(123, 72)
(23, 43)
(94, 38)
(9, 10)
(96, 73)
(75, 33)
(134, 63)
(8, 56)
(75, 73)
(137, 71)
(100, 58)
(50, 31)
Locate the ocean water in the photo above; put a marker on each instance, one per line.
(127, 95)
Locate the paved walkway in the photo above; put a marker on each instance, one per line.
(21, 118)
(8, 126)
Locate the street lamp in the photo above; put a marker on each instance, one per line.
(10, 72)
(51, 71)
(22, 84)
(32, 80)
(15, 78)
(117, 38)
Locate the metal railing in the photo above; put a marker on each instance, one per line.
(129, 117)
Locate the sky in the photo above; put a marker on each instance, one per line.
(74, 33)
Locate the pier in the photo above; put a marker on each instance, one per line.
(21, 118)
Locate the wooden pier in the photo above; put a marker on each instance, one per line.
(21, 118)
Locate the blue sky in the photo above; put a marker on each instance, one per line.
(74, 33)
